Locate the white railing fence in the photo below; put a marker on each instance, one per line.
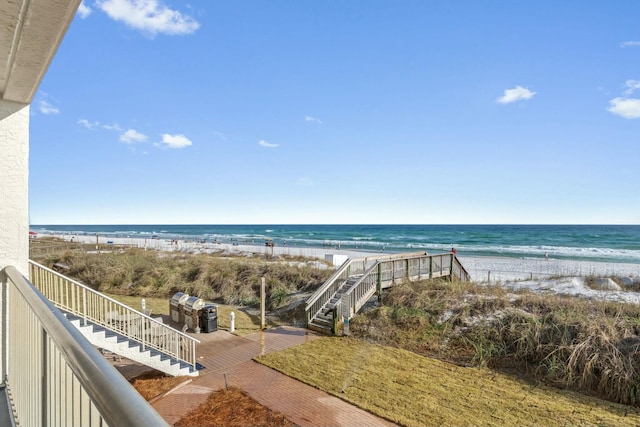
(54, 376)
(83, 302)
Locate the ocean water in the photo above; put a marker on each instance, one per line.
(608, 243)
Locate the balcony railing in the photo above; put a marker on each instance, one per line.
(54, 376)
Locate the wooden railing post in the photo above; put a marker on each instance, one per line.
(379, 284)
(393, 272)
(431, 267)
(334, 327)
(451, 268)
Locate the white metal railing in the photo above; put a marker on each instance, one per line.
(54, 376)
(83, 302)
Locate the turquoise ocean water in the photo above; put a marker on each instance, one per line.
(609, 243)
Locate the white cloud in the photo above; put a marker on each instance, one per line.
(83, 10)
(626, 107)
(175, 141)
(114, 127)
(86, 123)
(131, 136)
(46, 108)
(630, 43)
(518, 93)
(312, 120)
(149, 16)
(632, 85)
(629, 108)
(264, 143)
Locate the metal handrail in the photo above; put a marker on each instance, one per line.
(82, 301)
(54, 375)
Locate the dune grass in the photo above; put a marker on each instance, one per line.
(226, 280)
(570, 342)
(416, 391)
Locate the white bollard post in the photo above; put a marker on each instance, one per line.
(233, 322)
(144, 305)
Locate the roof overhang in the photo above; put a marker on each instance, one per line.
(30, 33)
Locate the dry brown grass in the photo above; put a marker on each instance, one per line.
(232, 408)
(227, 280)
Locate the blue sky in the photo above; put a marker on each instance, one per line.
(377, 111)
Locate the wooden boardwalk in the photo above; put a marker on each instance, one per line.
(224, 354)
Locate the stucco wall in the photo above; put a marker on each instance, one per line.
(14, 185)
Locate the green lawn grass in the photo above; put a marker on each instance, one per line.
(417, 391)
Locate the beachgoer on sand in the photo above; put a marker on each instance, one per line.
(453, 251)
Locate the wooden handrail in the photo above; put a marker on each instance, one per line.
(376, 276)
(321, 290)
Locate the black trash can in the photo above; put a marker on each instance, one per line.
(209, 318)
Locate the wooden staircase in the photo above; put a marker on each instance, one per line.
(324, 320)
(357, 280)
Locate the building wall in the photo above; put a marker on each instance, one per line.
(14, 186)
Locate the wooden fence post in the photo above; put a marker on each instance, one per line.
(379, 284)
(262, 303)
(453, 256)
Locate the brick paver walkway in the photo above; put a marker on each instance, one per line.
(226, 356)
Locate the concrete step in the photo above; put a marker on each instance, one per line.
(120, 345)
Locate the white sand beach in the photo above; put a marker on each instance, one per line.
(536, 274)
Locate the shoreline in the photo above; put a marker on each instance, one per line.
(481, 268)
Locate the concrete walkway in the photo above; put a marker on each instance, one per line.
(226, 355)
